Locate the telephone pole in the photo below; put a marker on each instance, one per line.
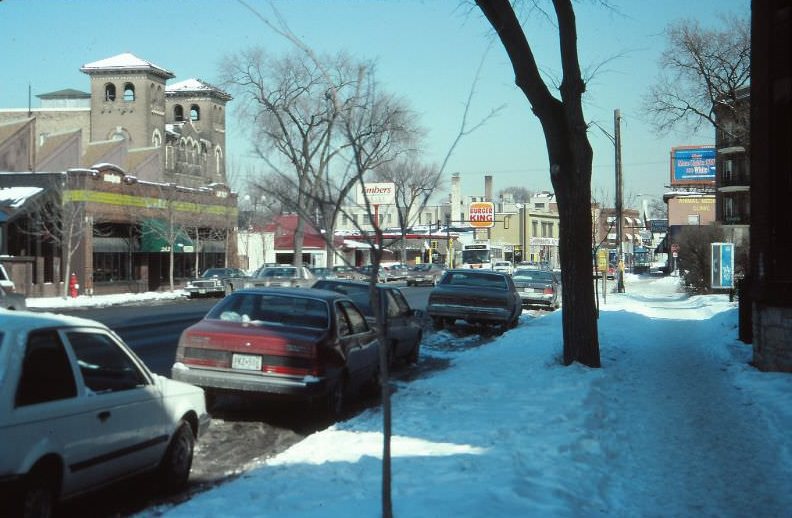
(619, 199)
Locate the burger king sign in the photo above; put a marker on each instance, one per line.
(482, 214)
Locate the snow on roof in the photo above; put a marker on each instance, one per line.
(125, 61)
(189, 85)
(15, 197)
(195, 86)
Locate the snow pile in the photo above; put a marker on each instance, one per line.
(675, 423)
(87, 301)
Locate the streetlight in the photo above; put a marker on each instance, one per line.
(521, 208)
(616, 140)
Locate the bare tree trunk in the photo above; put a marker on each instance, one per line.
(579, 317)
(170, 267)
(570, 157)
(66, 250)
(197, 253)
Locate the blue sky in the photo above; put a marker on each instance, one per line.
(426, 51)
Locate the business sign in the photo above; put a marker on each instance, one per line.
(722, 271)
(658, 226)
(383, 193)
(691, 165)
(481, 214)
(602, 260)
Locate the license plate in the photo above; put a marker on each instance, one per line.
(246, 362)
(201, 290)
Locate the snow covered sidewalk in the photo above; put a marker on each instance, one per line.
(676, 423)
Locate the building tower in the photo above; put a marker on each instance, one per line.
(128, 101)
(195, 123)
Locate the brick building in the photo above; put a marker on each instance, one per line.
(140, 165)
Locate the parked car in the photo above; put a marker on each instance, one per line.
(12, 300)
(396, 272)
(503, 267)
(366, 271)
(213, 281)
(476, 296)
(323, 273)
(536, 287)
(424, 273)
(402, 324)
(281, 342)
(347, 272)
(79, 410)
(274, 276)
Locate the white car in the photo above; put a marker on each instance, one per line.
(5, 280)
(79, 410)
(503, 267)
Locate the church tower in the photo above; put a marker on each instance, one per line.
(128, 101)
(196, 146)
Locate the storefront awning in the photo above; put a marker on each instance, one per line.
(156, 235)
(114, 245)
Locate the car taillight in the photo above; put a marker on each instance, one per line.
(548, 290)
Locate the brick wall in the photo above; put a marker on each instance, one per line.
(772, 329)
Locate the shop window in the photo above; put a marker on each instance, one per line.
(129, 92)
(110, 92)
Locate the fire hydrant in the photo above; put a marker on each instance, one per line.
(73, 286)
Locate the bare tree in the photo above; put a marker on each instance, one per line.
(285, 102)
(61, 221)
(163, 223)
(375, 136)
(695, 255)
(415, 183)
(369, 148)
(518, 194)
(570, 157)
(703, 72)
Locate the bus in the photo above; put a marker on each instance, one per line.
(480, 255)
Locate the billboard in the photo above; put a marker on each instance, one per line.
(481, 214)
(382, 193)
(693, 165)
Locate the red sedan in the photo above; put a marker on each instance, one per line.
(281, 342)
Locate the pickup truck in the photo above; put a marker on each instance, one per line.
(274, 276)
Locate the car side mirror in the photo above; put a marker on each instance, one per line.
(417, 313)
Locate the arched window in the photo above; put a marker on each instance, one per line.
(110, 92)
(219, 161)
(178, 113)
(129, 92)
(195, 112)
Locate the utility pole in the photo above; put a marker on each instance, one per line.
(619, 199)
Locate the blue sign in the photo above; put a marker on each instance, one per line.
(693, 165)
(722, 266)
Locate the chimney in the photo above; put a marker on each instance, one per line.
(488, 188)
(455, 200)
